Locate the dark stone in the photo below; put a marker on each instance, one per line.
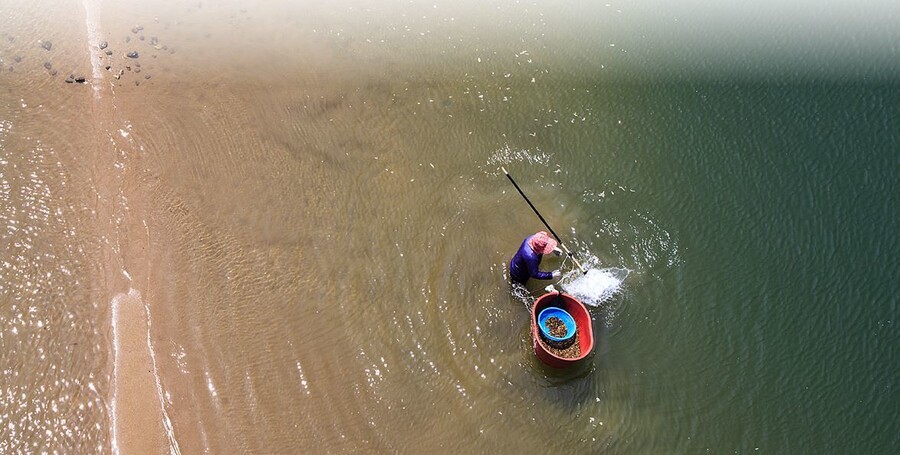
(103, 45)
(47, 45)
(48, 65)
(108, 52)
(108, 67)
(132, 54)
(137, 82)
(79, 79)
(70, 79)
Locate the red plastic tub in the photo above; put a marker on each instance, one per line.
(582, 321)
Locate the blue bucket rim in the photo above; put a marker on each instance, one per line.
(567, 318)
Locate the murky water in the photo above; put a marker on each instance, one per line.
(283, 228)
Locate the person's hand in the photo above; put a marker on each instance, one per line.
(557, 251)
(556, 274)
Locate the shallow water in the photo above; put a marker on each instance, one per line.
(293, 235)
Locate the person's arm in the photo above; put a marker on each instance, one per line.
(535, 271)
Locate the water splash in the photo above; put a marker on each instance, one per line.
(596, 286)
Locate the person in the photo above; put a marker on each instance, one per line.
(524, 265)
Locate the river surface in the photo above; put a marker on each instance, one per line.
(283, 227)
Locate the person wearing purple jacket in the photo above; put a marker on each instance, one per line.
(524, 265)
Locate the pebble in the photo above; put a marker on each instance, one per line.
(127, 39)
(137, 70)
(147, 77)
(11, 69)
(70, 79)
(108, 52)
(135, 30)
(132, 54)
(79, 79)
(108, 67)
(48, 65)
(47, 45)
(53, 72)
(18, 58)
(154, 40)
(103, 45)
(141, 38)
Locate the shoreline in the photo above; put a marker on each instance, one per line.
(138, 419)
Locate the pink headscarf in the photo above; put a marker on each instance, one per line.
(542, 243)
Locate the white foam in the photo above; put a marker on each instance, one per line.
(174, 449)
(93, 29)
(596, 286)
(114, 407)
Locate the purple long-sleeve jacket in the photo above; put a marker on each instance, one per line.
(524, 264)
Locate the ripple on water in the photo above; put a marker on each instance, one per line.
(52, 375)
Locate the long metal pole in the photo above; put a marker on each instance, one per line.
(543, 220)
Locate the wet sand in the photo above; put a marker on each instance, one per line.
(138, 418)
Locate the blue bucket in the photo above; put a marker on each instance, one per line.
(564, 316)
